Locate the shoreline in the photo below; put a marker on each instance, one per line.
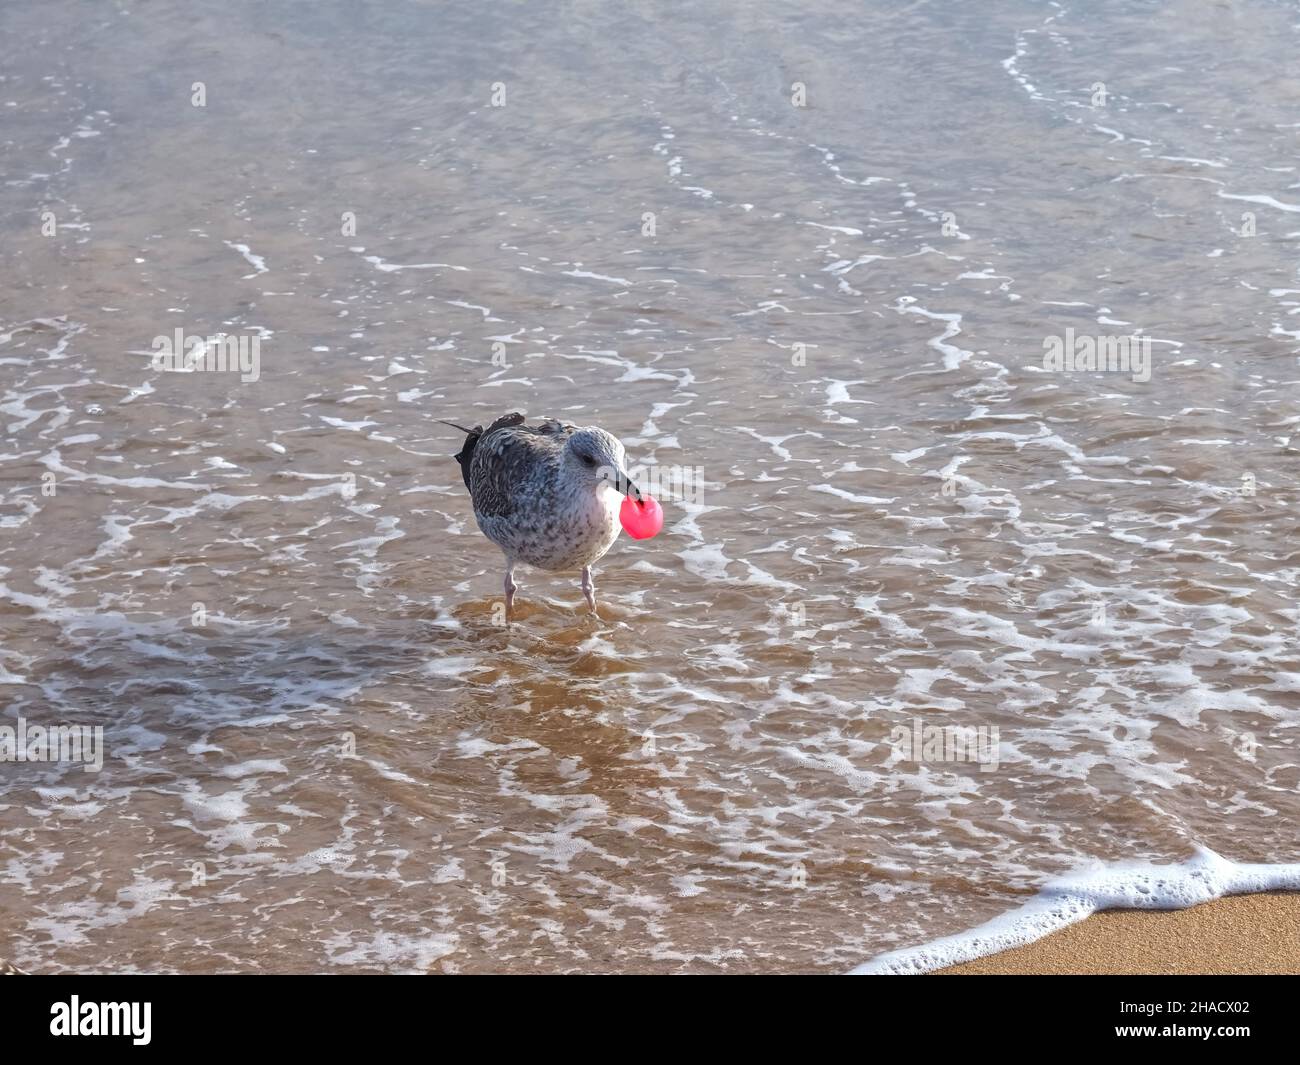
(1234, 935)
(1110, 889)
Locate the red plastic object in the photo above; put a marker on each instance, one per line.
(641, 520)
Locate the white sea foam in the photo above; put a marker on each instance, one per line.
(1069, 899)
(257, 262)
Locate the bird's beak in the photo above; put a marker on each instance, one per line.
(622, 483)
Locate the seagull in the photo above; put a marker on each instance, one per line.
(547, 495)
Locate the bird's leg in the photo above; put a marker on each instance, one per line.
(510, 586)
(589, 588)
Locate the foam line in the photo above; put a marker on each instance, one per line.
(1132, 886)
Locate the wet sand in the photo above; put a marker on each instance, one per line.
(1240, 935)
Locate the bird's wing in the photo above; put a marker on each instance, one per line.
(510, 456)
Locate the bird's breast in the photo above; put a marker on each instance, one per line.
(569, 530)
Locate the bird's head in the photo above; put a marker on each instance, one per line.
(596, 457)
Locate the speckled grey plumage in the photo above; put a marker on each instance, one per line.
(545, 494)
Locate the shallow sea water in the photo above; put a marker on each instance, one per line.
(839, 319)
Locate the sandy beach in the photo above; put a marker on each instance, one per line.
(1242, 934)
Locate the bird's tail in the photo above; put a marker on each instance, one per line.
(466, 452)
(472, 436)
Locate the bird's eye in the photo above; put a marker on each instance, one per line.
(589, 460)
